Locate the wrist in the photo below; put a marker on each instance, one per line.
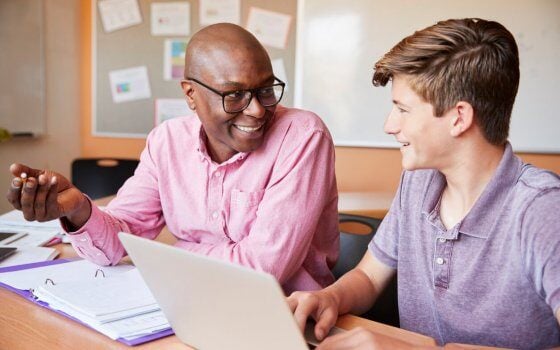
(78, 217)
(333, 293)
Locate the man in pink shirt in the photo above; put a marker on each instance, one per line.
(244, 180)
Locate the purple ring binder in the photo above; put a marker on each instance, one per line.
(29, 296)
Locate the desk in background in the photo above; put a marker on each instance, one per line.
(374, 204)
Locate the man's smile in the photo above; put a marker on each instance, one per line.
(248, 129)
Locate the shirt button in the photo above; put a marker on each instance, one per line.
(83, 240)
(217, 174)
(442, 240)
(215, 215)
(440, 261)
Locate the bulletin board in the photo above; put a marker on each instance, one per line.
(339, 42)
(135, 46)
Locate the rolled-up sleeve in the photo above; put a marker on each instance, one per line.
(136, 209)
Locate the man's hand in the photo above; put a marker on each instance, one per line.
(44, 195)
(321, 305)
(362, 339)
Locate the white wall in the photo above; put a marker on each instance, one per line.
(61, 142)
(339, 44)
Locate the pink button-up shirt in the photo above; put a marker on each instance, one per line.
(273, 209)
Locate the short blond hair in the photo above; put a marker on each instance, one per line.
(472, 60)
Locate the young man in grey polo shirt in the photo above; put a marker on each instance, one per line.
(473, 232)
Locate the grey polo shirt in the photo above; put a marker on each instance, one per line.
(494, 278)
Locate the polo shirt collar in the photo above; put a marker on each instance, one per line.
(482, 218)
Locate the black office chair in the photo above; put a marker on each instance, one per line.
(101, 177)
(353, 246)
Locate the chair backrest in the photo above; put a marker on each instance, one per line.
(353, 246)
(101, 177)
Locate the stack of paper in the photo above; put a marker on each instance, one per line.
(28, 255)
(119, 306)
(15, 218)
(114, 301)
(36, 233)
(34, 236)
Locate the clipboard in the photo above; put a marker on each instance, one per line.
(29, 296)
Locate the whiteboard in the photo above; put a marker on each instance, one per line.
(339, 42)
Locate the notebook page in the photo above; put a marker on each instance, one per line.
(72, 271)
(102, 298)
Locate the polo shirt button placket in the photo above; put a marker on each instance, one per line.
(441, 268)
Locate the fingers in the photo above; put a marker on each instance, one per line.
(14, 193)
(17, 169)
(292, 302)
(43, 206)
(51, 203)
(28, 198)
(357, 338)
(302, 305)
(319, 305)
(363, 339)
(325, 321)
(35, 197)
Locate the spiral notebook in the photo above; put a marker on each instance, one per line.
(48, 284)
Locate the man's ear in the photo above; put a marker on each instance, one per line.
(462, 118)
(188, 91)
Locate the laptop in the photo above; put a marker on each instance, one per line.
(212, 304)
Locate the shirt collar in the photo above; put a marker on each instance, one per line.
(481, 219)
(203, 151)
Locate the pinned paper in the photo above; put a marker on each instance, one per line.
(217, 11)
(119, 14)
(174, 59)
(271, 28)
(171, 18)
(129, 84)
(169, 108)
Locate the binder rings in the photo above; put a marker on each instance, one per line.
(29, 296)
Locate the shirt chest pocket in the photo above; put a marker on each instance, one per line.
(242, 212)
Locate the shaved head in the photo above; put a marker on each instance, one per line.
(226, 60)
(222, 45)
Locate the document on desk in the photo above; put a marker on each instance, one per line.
(15, 218)
(75, 271)
(26, 255)
(113, 300)
(36, 233)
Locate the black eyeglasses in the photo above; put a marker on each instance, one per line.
(237, 100)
